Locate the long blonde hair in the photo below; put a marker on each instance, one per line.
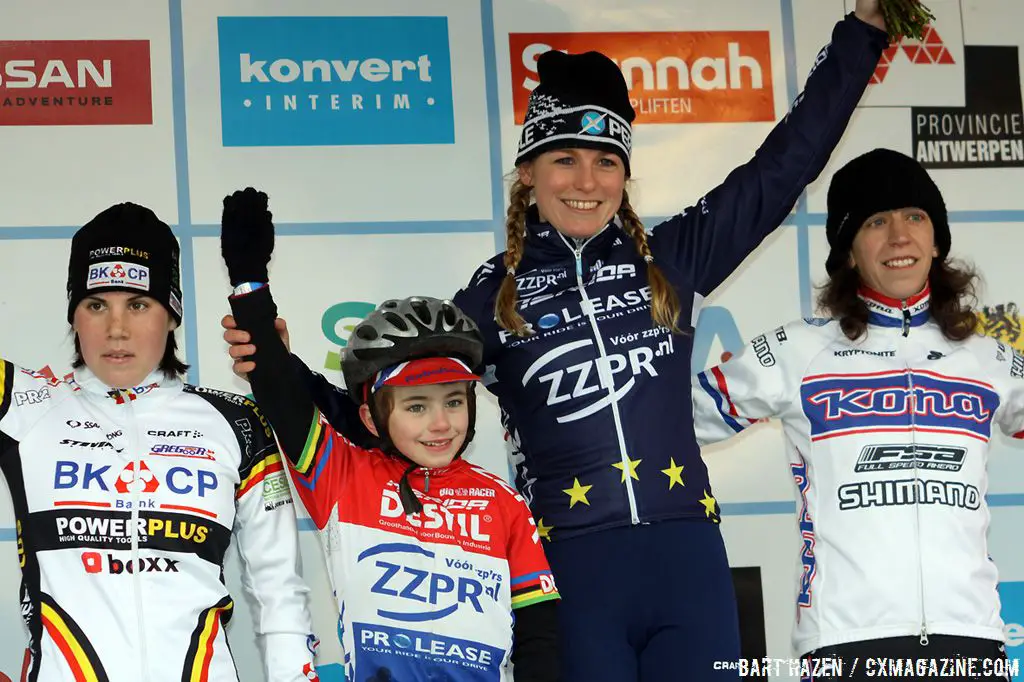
(664, 299)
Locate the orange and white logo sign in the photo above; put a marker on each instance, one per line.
(673, 77)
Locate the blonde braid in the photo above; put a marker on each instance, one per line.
(664, 299)
(505, 312)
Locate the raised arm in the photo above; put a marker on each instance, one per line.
(315, 452)
(335, 405)
(332, 401)
(712, 238)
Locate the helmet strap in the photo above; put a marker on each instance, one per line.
(410, 503)
(471, 407)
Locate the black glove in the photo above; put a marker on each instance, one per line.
(246, 236)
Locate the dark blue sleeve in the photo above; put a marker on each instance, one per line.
(711, 239)
(476, 300)
(335, 404)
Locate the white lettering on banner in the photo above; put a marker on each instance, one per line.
(970, 151)
(670, 72)
(21, 73)
(434, 516)
(950, 124)
(373, 70)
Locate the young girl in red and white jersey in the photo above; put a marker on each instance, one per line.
(436, 563)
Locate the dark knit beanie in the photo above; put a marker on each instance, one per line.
(581, 101)
(125, 248)
(881, 180)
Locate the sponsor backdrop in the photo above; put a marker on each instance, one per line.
(384, 133)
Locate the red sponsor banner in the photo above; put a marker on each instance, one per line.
(930, 50)
(673, 77)
(75, 82)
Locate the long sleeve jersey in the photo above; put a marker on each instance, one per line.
(126, 502)
(887, 439)
(595, 401)
(425, 596)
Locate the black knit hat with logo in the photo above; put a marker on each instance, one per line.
(125, 248)
(581, 101)
(881, 180)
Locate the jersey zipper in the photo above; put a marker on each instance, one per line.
(905, 331)
(137, 484)
(604, 374)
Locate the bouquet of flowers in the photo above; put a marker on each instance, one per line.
(905, 18)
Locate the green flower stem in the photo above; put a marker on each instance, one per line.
(905, 18)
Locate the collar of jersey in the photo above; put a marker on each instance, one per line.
(544, 242)
(888, 312)
(85, 380)
(457, 465)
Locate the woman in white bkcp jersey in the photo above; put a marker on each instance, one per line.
(128, 487)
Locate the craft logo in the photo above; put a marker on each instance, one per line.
(295, 81)
(673, 77)
(75, 82)
(337, 323)
(988, 131)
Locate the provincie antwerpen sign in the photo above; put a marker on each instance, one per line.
(988, 131)
(75, 82)
(673, 77)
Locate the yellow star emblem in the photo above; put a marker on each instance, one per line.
(544, 531)
(674, 473)
(709, 504)
(577, 493)
(633, 464)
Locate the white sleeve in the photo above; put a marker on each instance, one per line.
(25, 397)
(756, 384)
(1010, 379)
(268, 544)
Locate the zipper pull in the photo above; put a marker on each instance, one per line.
(579, 263)
(906, 322)
(426, 482)
(924, 635)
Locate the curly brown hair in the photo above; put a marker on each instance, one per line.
(953, 298)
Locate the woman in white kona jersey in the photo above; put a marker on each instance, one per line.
(128, 486)
(888, 410)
